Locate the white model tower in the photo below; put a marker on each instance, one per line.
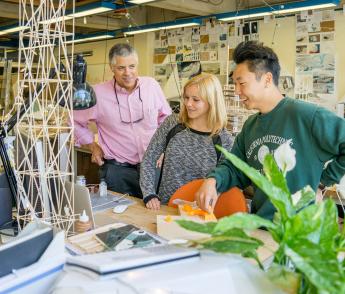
(43, 134)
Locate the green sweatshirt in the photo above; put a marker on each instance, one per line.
(317, 135)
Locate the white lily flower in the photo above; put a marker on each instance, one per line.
(285, 156)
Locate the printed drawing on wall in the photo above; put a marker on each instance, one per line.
(315, 61)
(185, 52)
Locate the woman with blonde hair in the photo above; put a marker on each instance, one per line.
(187, 141)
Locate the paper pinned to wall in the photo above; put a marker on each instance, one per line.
(315, 61)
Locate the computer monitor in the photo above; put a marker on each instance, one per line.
(6, 203)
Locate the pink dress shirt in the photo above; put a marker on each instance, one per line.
(124, 142)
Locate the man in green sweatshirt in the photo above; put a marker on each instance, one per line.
(316, 134)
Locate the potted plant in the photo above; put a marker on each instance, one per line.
(311, 247)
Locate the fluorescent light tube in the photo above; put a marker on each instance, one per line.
(244, 16)
(141, 1)
(89, 12)
(90, 39)
(277, 9)
(319, 6)
(13, 29)
(56, 19)
(173, 26)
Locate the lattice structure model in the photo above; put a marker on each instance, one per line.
(237, 114)
(43, 135)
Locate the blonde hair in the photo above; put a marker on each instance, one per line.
(210, 90)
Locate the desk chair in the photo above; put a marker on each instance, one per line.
(229, 202)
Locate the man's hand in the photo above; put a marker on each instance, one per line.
(154, 204)
(206, 197)
(97, 153)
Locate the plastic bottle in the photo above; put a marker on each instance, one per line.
(81, 180)
(103, 190)
(83, 224)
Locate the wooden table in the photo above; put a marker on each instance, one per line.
(138, 215)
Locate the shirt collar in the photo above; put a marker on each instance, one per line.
(123, 90)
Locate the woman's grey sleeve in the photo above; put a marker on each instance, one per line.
(227, 142)
(152, 154)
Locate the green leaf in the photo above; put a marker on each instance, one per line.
(307, 196)
(206, 228)
(252, 254)
(279, 198)
(273, 173)
(243, 221)
(318, 264)
(228, 244)
(318, 223)
(237, 234)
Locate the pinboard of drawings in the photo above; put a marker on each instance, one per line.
(315, 57)
(182, 53)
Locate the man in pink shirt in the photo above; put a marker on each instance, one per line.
(129, 109)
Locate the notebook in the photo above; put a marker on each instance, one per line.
(109, 263)
(83, 200)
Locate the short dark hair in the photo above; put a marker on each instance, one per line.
(122, 50)
(259, 58)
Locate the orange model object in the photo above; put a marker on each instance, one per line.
(229, 202)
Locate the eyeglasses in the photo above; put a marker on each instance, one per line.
(142, 108)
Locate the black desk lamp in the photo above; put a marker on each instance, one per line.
(83, 97)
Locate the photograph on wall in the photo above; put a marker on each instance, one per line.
(160, 70)
(286, 85)
(315, 57)
(303, 38)
(213, 68)
(188, 69)
(205, 56)
(302, 49)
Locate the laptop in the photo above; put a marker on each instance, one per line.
(92, 203)
(82, 200)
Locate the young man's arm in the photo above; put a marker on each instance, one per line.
(328, 131)
(222, 178)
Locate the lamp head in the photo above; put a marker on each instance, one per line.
(84, 96)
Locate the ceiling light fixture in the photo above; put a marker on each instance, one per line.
(92, 9)
(277, 9)
(11, 29)
(91, 38)
(82, 11)
(162, 25)
(138, 2)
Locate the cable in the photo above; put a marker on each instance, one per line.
(213, 2)
(105, 49)
(276, 25)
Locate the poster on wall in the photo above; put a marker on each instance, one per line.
(203, 48)
(315, 61)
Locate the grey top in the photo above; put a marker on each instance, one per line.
(189, 155)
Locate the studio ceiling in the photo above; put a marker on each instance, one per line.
(159, 11)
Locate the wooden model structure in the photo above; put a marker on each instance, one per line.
(43, 134)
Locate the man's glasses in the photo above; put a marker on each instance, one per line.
(142, 108)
